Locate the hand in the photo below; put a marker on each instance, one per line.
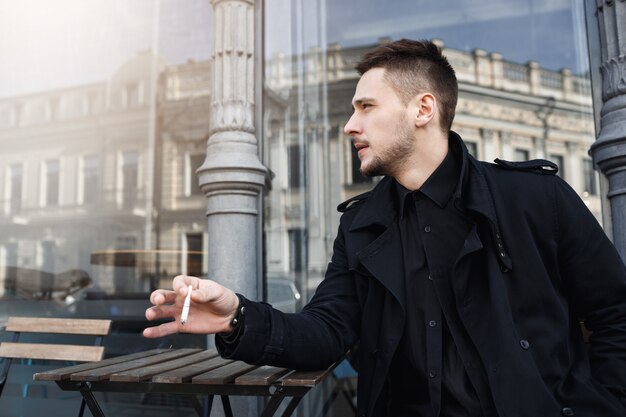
(212, 308)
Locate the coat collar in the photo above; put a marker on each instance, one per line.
(472, 194)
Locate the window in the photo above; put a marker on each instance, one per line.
(51, 182)
(132, 94)
(472, 148)
(591, 186)
(559, 160)
(520, 154)
(54, 109)
(295, 166)
(192, 163)
(14, 188)
(194, 254)
(90, 175)
(130, 178)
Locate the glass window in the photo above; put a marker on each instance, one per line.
(520, 154)
(129, 177)
(520, 94)
(14, 188)
(192, 163)
(90, 176)
(99, 108)
(50, 183)
(591, 178)
(559, 160)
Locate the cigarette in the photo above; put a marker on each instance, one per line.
(183, 317)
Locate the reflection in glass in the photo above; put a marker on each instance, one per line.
(522, 67)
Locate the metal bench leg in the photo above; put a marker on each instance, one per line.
(92, 403)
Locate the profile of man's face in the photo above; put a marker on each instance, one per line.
(380, 126)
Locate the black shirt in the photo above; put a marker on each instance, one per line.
(428, 376)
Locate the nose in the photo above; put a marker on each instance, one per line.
(352, 128)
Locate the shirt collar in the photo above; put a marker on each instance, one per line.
(441, 184)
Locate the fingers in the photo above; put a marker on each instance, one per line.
(165, 329)
(181, 282)
(162, 312)
(159, 297)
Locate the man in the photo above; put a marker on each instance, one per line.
(464, 282)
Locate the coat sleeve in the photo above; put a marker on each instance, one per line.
(314, 338)
(595, 277)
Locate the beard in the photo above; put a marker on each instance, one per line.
(395, 156)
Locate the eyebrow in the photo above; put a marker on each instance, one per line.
(362, 100)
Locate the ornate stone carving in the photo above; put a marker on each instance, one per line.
(232, 106)
(613, 77)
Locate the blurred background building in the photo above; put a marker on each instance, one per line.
(123, 125)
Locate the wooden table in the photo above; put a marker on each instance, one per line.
(193, 372)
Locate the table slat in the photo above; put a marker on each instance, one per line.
(64, 373)
(147, 372)
(178, 376)
(264, 375)
(223, 374)
(306, 378)
(100, 374)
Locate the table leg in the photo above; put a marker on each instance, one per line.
(228, 411)
(208, 405)
(292, 406)
(272, 405)
(90, 399)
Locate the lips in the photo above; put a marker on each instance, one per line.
(359, 146)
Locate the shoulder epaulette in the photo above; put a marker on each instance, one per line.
(352, 202)
(538, 166)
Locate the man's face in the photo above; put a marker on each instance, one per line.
(380, 126)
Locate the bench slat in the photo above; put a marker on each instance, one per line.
(147, 372)
(51, 352)
(185, 374)
(264, 375)
(100, 374)
(223, 374)
(58, 326)
(64, 373)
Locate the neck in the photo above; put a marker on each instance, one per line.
(429, 153)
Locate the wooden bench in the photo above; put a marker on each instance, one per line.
(17, 349)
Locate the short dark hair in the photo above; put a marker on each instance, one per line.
(412, 67)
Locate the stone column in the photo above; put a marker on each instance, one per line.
(609, 149)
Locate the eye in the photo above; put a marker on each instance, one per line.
(365, 105)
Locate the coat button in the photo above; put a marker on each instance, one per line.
(567, 411)
(375, 352)
(427, 229)
(432, 323)
(524, 344)
(432, 374)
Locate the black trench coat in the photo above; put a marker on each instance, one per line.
(533, 266)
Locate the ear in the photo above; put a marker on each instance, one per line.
(425, 109)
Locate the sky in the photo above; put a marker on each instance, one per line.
(548, 31)
(51, 44)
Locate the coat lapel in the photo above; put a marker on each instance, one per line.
(375, 227)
